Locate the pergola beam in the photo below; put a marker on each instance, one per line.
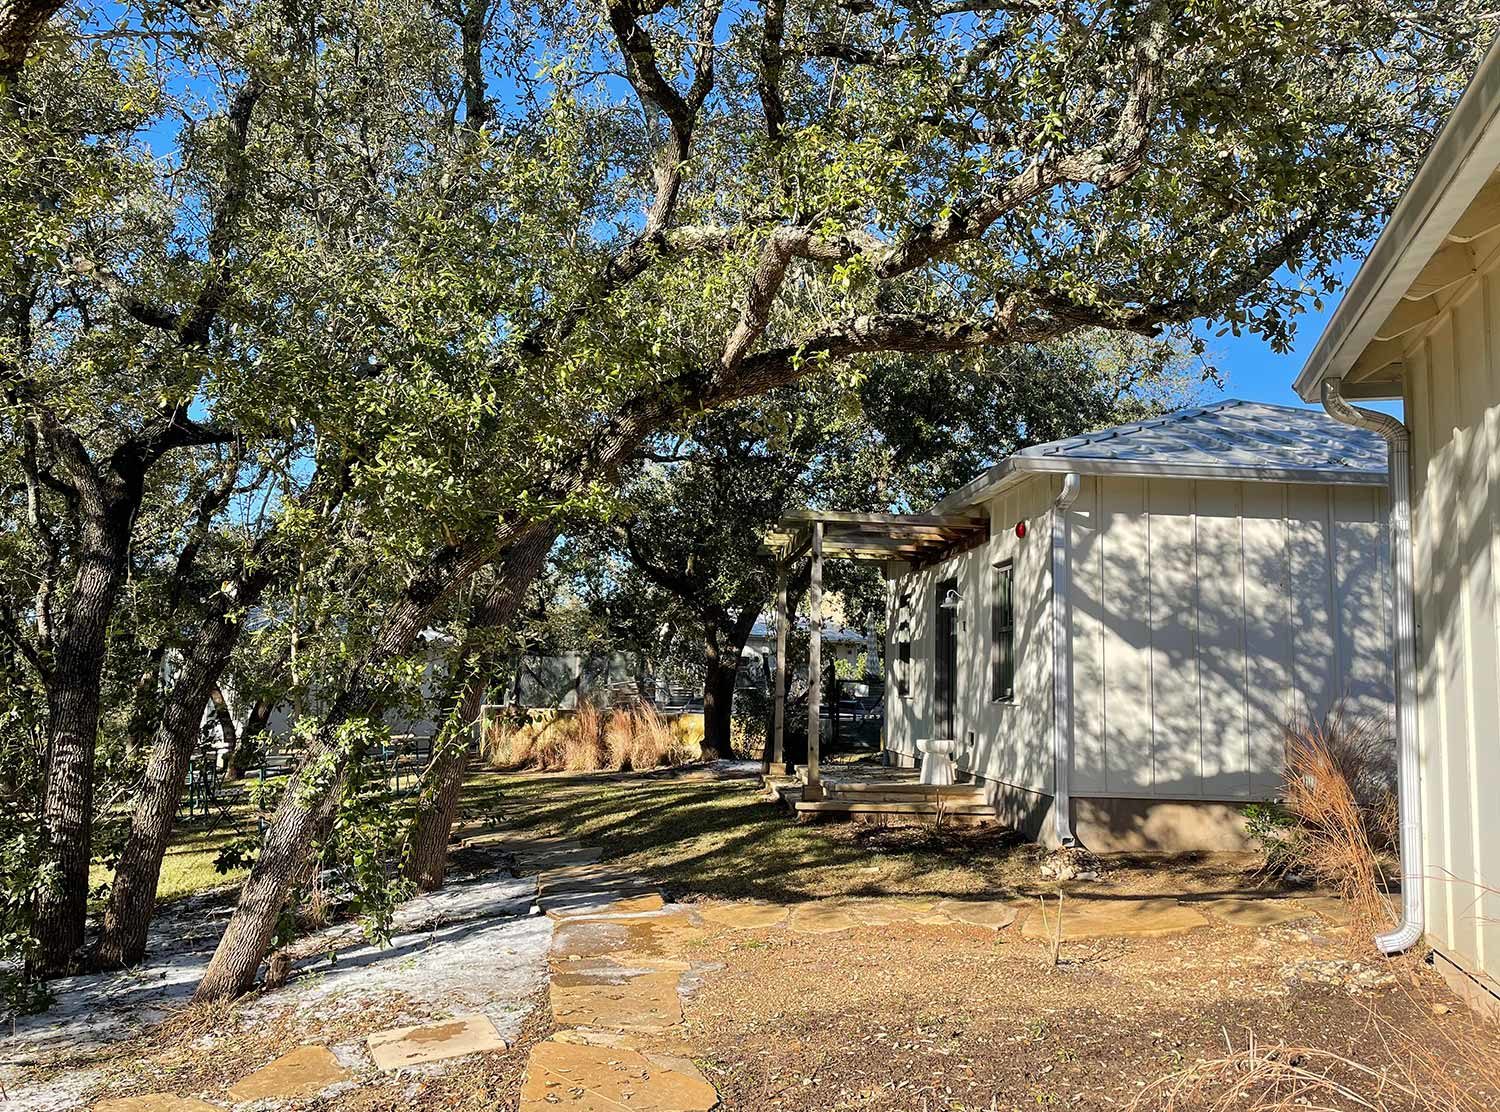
(874, 536)
(850, 517)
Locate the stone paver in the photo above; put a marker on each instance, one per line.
(575, 939)
(607, 1079)
(614, 999)
(575, 891)
(653, 941)
(433, 1042)
(303, 1072)
(1331, 908)
(506, 842)
(1246, 911)
(745, 916)
(994, 914)
(821, 918)
(558, 859)
(615, 989)
(1081, 918)
(154, 1102)
(882, 913)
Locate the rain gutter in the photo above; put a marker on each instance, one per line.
(1409, 784)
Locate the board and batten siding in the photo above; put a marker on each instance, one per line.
(1007, 742)
(1452, 406)
(1208, 614)
(1204, 617)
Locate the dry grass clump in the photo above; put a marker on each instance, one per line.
(583, 740)
(619, 736)
(1416, 1062)
(652, 742)
(589, 740)
(1340, 813)
(1257, 1078)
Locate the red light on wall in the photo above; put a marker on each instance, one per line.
(1021, 530)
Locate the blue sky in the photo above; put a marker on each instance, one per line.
(1253, 372)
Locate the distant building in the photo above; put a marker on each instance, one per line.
(1117, 654)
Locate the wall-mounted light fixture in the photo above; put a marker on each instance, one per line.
(955, 602)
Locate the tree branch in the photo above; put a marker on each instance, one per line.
(1106, 165)
(21, 22)
(768, 79)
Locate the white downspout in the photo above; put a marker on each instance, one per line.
(1062, 694)
(1409, 785)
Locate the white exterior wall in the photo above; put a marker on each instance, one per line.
(1452, 406)
(1010, 741)
(1204, 616)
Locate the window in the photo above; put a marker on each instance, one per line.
(903, 648)
(1003, 630)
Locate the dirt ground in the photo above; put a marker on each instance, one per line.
(947, 1017)
(908, 1016)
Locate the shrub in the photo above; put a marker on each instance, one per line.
(589, 740)
(750, 723)
(1337, 820)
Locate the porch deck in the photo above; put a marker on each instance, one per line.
(877, 794)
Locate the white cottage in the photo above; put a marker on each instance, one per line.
(1113, 629)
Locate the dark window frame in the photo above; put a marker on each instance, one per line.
(902, 668)
(1003, 632)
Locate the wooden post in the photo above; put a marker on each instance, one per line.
(777, 760)
(814, 788)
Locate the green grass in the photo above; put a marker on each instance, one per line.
(723, 839)
(700, 838)
(188, 867)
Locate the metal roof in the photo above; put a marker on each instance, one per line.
(1234, 440)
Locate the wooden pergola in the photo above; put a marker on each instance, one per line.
(908, 538)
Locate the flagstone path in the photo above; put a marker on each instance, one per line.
(620, 956)
(617, 965)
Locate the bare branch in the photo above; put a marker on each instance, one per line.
(779, 249)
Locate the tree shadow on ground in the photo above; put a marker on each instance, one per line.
(722, 839)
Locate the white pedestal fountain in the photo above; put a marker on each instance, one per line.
(937, 760)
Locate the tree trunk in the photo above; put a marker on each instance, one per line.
(724, 646)
(237, 759)
(720, 670)
(228, 732)
(73, 687)
(132, 896)
(312, 793)
(437, 806)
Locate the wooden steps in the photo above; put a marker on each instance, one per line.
(965, 813)
(900, 793)
(885, 799)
